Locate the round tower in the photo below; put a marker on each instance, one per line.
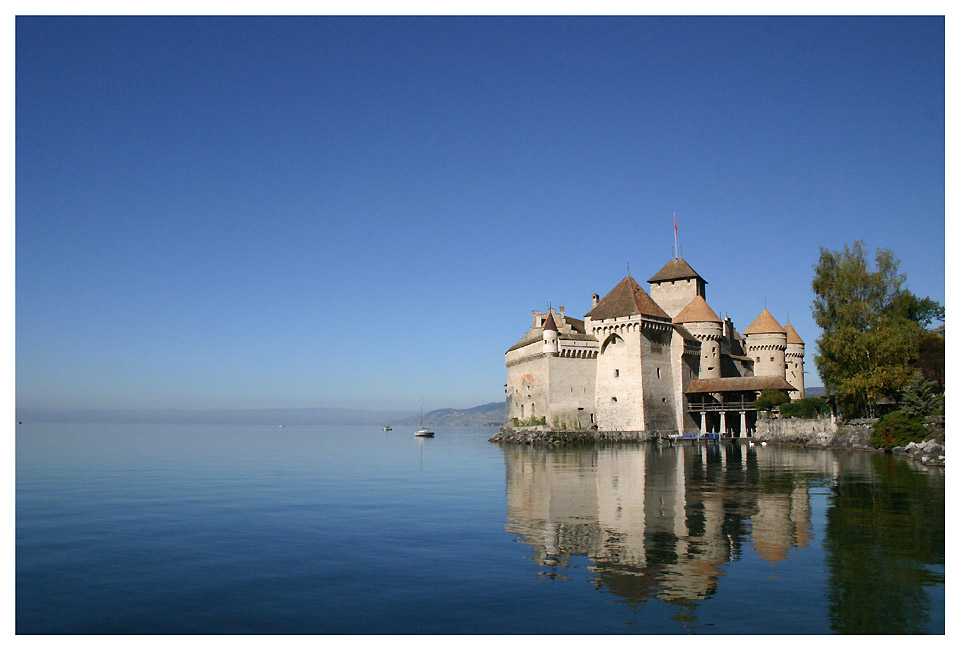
(551, 343)
(706, 326)
(794, 361)
(767, 346)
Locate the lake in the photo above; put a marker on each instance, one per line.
(181, 529)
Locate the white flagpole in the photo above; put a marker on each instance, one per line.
(676, 251)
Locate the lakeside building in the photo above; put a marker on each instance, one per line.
(660, 362)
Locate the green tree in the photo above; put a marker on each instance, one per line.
(807, 409)
(897, 429)
(932, 356)
(919, 397)
(770, 399)
(871, 326)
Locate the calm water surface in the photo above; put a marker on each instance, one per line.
(338, 530)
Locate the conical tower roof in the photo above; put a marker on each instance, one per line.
(765, 323)
(675, 269)
(627, 299)
(698, 311)
(550, 324)
(792, 336)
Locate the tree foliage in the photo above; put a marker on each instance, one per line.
(871, 326)
(897, 429)
(805, 409)
(932, 356)
(771, 399)
(919, 398)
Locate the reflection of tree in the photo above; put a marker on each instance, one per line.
(880, 534)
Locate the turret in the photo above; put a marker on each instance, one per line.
(794, 361)
(766, 345)
(675, 285)
(551, 344)
(705, 325)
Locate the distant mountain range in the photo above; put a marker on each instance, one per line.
(485, 415)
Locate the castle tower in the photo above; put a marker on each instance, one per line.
(766, 345)
(634, 373)
(551, 344)
(794, 361)
(706, 326)
(675, 285)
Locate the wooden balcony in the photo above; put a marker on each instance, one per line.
(732, 405)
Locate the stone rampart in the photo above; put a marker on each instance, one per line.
(545, 436)
(818, 431)
(854, 434)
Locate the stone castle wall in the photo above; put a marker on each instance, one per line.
(674, 295)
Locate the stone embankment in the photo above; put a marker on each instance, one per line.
(855, 434)
(818, 434)
(928, 452)
(544, 436)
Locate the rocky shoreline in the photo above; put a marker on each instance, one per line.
(813, 434)
(928, 452)
(547, 436)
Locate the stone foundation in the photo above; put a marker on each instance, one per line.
(824, 433)
(544, 436)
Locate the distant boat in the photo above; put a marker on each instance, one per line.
(423, 431)
(282, 426)
(388, 428)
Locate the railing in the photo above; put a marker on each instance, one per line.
(741, 405)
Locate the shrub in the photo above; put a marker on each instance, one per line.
(897, 429)
(919, 398)
(530, 422)
(805, 409)
(770, 399)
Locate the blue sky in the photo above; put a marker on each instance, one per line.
(357, 212)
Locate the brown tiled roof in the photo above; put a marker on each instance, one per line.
(737, 384)
(576, 324)
(675, 269)
(792, 336)
(523, 343)
(576, 336)
(685, 333)
(765, 323)
(550, 324)
(626, 299)
(698, 311)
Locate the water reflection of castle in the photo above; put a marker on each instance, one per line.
(656, 521)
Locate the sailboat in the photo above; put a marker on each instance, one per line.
(423, 431)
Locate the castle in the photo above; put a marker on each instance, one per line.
(660, 363)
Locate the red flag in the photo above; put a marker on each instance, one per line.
(674, 224)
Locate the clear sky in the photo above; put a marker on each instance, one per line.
(357, 212)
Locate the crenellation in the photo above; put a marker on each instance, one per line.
(660, 362)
